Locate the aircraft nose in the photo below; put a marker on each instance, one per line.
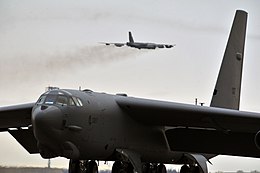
(47, 129)
(46, 119)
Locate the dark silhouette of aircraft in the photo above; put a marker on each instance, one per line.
(140, 45)
(141, 135)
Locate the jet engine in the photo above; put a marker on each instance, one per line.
(151, 46)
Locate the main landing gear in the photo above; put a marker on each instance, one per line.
(190, 169)
(122, 167)
(126, 167)
(79, 166)
(154, 168)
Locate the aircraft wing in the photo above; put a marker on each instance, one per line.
(15, 116)
(165, 45)
(169, 45)
(198, 129)
(115, 44)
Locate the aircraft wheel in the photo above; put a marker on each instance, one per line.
(161, 168)
(122, 167)
(154, 168)
(116, 167)
(185, 169)
(129, 168)
(146, 168)
(195, 169)
(92, 167)
(74, 166)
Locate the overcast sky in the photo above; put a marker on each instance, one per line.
(56, 43)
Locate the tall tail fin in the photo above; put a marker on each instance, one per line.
(227, 89)
(131, 39)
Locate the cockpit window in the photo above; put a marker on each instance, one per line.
(80, 102)
(41, 100)
(50, 99)
(62, 100)
(71, 102)
(77, 101)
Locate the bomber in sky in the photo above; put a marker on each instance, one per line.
(140, 45)
(141, 135)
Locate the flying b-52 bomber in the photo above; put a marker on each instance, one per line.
(140, 45)
(141, 135)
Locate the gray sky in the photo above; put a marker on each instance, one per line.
(55, 43)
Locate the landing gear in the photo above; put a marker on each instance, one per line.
(74, 166)
(161, 168)
(154, 168)
(190, 169)
(82, 166)
(116, 167)
(122, 167)
(92, 167)
(146, 168)
(185, 169)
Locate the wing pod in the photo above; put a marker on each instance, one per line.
(160, 45)
(119, 44)
(169, 46)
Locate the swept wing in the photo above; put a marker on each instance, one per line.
(17, 121)
(15, 116)
(225, 131)
(115, 44)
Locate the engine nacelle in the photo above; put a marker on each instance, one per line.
(151, 45)
(257, 140)
(168, 46)
(160, 45)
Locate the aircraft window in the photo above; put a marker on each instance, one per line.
(71, 102)
(41, 100)
(80, 102)
(77, 101)
(62, 100)
(50, 99)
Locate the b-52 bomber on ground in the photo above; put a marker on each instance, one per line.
(141, 135)
(140, 45)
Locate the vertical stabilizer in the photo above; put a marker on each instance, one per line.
(131, 39)
(227, 90)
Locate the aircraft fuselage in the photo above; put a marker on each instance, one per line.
(94, 129)
(144, 45)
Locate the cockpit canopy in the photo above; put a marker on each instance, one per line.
(59, 98)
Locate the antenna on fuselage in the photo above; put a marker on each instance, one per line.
(49, 88)
(196, 102)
